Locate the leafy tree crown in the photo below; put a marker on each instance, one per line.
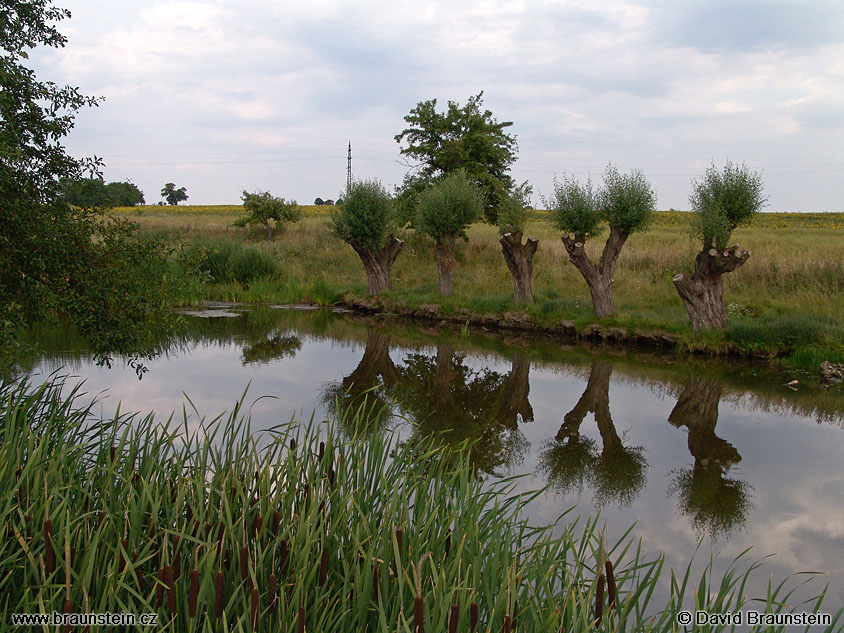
(449, 206)
(627, 202)
(575, 207)
(724, 200)
(467, 138)
(366, 215)
(263, 208)
(172, 195)
(514, 211)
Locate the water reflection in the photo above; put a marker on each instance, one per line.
(447, 398)
(617, 472)
(715, 502)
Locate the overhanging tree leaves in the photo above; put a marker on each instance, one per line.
(721, 202)
(365, 221)
(626, 203)
(467, 138)
(444, 211)
(59, 261)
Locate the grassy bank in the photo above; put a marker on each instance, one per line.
(787, 300)
(304, 528)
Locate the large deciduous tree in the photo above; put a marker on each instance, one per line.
(172, 195)
(444, 211)
(58, 261)
(271, 212)
(518, 254)
(463, 137)
(365, 221)
(721, 202)
(626, 203)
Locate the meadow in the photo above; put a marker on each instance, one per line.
(786, 301)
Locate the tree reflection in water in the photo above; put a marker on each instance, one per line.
(714, 502)
(446, 398)
(617, 472)
(270, 349)
(362, 399)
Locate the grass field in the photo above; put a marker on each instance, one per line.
(788, 297)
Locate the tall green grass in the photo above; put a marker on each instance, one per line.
(305, 528)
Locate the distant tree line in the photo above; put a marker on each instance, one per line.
(95, 193)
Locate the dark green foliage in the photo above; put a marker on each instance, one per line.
(172, 195)
(366, 216)
(466, 138)
(448, 207)
(575, 208)
(319, 202)
(724, 200)
(58, 261)
(778, 333)
(125, 194)
(225, 261)
(268, 211)
(627, 202)
(95, 193)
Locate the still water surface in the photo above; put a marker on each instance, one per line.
(692, 451)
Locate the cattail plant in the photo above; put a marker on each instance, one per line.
(610, 584)
(599, 599)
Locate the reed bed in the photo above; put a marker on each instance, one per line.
(303, 529)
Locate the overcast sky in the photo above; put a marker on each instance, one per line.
(220, 96)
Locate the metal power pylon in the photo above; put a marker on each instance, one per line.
(349, 169)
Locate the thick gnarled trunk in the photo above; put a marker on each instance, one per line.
(519, 258)
(377, 263)
(599, 278)
(703, 292)
(446, 262)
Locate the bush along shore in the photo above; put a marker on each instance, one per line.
(307, 527)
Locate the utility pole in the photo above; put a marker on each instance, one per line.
(349, 169)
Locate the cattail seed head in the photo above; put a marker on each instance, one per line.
(254, 608)
(159, 588)
(244, 563)
(473, 616)
(321, 450)
(284, 555)
(218, 595)
(276, 522)
(610, 584)
(194, 590)
(27, 518)
(506, 627)
(448, 542)
(271, 584)
(171, 589)
(418, 615)
(323, 568)
(300, 628)
(453, 619)
(599, 599)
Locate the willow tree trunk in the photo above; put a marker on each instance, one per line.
(377, 263)
(445, 264)
(599, 278)
(514, 401)
(519, 258)
(703, 293)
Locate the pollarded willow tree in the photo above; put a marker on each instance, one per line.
(512, 219)
(366, 221)
(626, 203)
(444, 211)
(721, 202)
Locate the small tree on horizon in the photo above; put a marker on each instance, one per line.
(444, 211)
(172, 195)
(721, 202)
(366, 222)
(626, 203)
(268, 211)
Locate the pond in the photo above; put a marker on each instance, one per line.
(717, 453)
